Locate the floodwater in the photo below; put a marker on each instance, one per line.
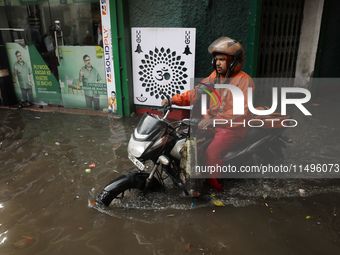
(53, 164)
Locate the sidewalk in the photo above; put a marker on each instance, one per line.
(48, 108)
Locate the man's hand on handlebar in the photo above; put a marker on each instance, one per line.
(205, 123)
(165, 101)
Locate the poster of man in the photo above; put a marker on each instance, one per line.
(89, 74)
(23, 78)
(82, 77)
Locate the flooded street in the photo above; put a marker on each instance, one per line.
(53, 164)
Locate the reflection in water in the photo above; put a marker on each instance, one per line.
(3, 236)
(117, 130)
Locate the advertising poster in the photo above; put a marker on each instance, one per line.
(108, 57)
(46, 85)
(82, 77)
(163, 61)
(22, 74)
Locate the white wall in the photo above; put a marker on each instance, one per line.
(309, 39)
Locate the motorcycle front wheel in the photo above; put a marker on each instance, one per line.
(132, 180)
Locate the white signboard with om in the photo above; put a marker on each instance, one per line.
(163, 61)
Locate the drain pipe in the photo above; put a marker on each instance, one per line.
(121, 30)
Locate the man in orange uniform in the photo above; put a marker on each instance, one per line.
(228, 60)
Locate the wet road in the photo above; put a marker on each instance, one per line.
(47, 183)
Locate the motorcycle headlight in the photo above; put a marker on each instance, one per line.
(137, 148)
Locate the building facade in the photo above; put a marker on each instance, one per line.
(63, 41)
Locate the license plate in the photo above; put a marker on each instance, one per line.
(137, 163)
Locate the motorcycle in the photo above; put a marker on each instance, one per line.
(158, 142)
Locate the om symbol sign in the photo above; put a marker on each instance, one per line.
(162, 73)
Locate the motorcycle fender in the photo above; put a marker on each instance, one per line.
(134, 179)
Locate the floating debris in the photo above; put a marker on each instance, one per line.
(217, 202)
(302, 192)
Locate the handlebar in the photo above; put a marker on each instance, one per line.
(167, 107)
(190, 122)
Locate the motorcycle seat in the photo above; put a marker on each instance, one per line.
(254, 136)
(255, 133)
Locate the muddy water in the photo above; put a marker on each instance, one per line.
(46, 183)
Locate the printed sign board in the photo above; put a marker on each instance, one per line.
(33, 81)
(82, 77)
(163, 62)
(108, 57)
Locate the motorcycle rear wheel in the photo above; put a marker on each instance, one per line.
(128, 181)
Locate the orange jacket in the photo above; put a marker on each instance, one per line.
(224, 111)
